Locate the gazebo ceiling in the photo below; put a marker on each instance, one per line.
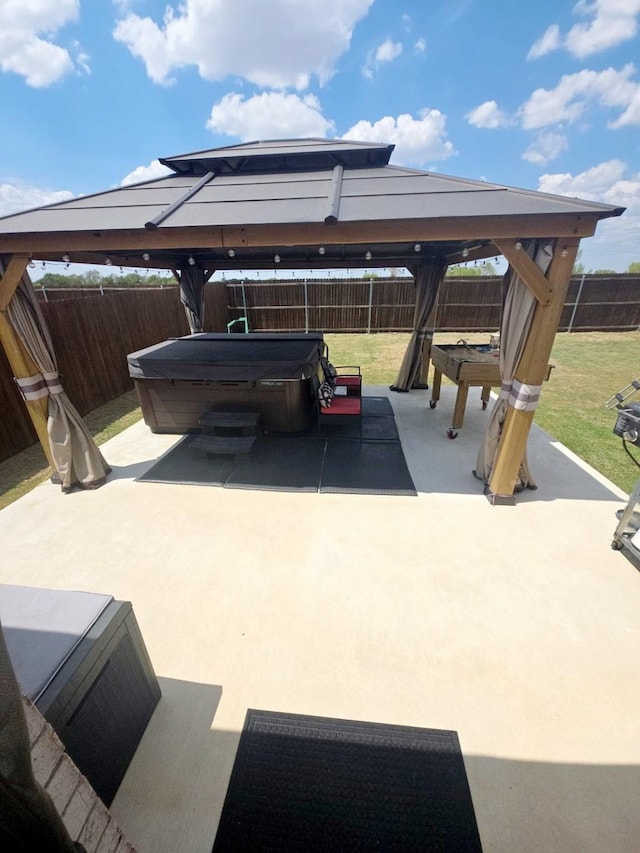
(310, 203)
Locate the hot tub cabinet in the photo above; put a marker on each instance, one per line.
(275, 374)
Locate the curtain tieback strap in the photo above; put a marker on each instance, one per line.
(32, 387)
(524, 397)
(505, 391)
(53, 383)
(39, 385)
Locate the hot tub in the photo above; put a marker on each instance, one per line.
(274, 374)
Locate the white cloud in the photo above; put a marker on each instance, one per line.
(417, 140)
(388, 51)
(385, 52)
(545, 148)
(39, 60)
(420, 46)
(155, 169)
(595, 184)
(615, 244)
(612, 22)
(16, 197)
(576, 92)
(631, 115)
(269, 115)
(277, 45)
(488, 115)
(548, 42)
(609, 23)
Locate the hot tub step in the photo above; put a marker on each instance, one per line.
(232, 445)
(243, 423)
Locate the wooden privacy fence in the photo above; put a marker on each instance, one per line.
(94, 334)
(594, 303)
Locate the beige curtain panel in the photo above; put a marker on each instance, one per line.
(77, 459)
(517, 314)
(428, 279)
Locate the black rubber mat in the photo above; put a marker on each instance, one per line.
(338, 460)
(315, 784)
(376, 407)
(372, 428)
(181, 465)
(372, 468)
(281, 464)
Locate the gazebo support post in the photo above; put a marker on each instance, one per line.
(21, 362)
(531, 370)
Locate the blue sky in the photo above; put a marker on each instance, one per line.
(543, 95)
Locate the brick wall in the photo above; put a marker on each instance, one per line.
(84, 815)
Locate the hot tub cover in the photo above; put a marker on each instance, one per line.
(219, 357)
(42, 627)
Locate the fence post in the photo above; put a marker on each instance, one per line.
(370, 304)
(575, 304)
(306, 307)
(244, 301)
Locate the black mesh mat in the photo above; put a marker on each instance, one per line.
(312, 784)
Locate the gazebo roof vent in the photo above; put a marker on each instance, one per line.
(281, 155)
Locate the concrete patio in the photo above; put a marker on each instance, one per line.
(518, 627)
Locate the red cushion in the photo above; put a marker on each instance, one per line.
(351, 381)
(343, 406)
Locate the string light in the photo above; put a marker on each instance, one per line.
(231, 253)
(321, 250)
(276, 259)
(465, 252)
(146, 256)
(191, 261)
(368, 256)
(417, 247)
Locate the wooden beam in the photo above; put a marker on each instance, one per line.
(55, 244)
(11, 278)
(531, 370)
(527, 269)
(23, 366)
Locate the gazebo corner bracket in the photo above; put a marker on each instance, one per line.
(526, 268)
(10, 278)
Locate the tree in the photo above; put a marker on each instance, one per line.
(485, 268)
(634, 268)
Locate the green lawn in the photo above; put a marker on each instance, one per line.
(589, 369)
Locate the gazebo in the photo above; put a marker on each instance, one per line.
(304, 204)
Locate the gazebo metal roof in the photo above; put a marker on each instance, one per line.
(314, 203)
